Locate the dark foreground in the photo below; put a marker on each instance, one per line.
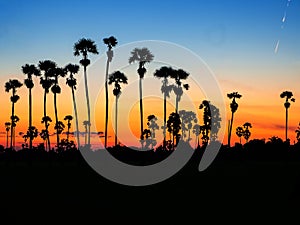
(254, 185)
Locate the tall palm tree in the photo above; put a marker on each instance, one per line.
(179, 75)
(247, 132)
(68, 118)
(83, 47)
(47, 67)
(71, 82)
(30, 70)
(142, 56)
(117, 78)
(164, 72)
(56, 73)
(288, 95)
(7, 128)
(239, 131)
(13, 85)
(233, 106)
(110, 42)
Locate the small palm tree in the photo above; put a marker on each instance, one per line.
(7, 128)
(197, 132)
(45, 133)
(110, 42)
(30, 70)
(47, 67)
(152, 126)
(83, 47)
(247, 132)
(13, 85)
(68, 118)
(117, 78)
(187, 120)
(233, 106)
(288, 95)
(142, 56)
(240, 133)
(174, 126)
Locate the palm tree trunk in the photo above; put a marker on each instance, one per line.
(141, 106)
(56, 121)
(46, 123)
(6, 139)
(286, 124)
(106, 103)
(12, 127)
(30, 119)
(88, 108)
(176, 104)
(76, 117)
(165, 120)
(116, 122)
(230, 129)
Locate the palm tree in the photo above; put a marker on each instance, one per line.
(71, 82)
(233, 106)
(47, 67)
(174, 126)
(86, 124)
(247, 132)
(164, 72)
(298, 133)
(110, 42)
(68, 118)
(7, 128)
(239, 132)
(288, 96)
(57, 72)
(45, 133)
(117, 78)
(13, 85)
(30, 70)
(142, 56)
(179, 75)
(83, 47)
(152, 126)
(197, 132)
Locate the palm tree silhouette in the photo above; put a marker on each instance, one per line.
(239, 132)
(45, 133)
(32, 133)
(56, 73)
(30, 70)
(68, 118)
(7, 128)
(179, 75)
(47, 67)
(143, 56)
(247, 132)
(174, 126)
(298, 133)
(164, 72)
(72, 82)
(13, 85)
(233, 106)
(86, 124)
(288, 96)
(197, 132)
(187, 119)
(152, 126)
(110, 42)
(83, 47)
(117, 78)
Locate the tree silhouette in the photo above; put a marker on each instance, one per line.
(31, 134)
(150, 132)
(68, 118)
(45, 133)
(197, 132)
(179, 75)
(72, 69)
(110, 42)
(47, 67)
(164, 72)
(174, 126)
(7, 128)
(288, 96)
(30, 70)
(117, 78)
(240, 133)
(206, 127)
(247, 132)
(298, 133)
(142, 56)
(56, 73)
(83, 47)
(233, 106)
(187, 120)
(86, 124)
(13, 85)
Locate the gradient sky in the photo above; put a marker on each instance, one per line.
(235, 38)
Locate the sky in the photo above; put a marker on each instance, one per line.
(235, 39)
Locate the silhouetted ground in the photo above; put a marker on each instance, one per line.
(254, 184)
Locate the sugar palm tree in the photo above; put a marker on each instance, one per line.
(47, 67)
(179, 75)
(164, 73)
(68, 118)
(142, 56)
(30, 70)
(110, 42)
(239, 132)
(83, 47)
(72, 69)
(7, 128)
(288, 95)
(13, 85)
(233, 106)
(117, 78)
(247, 132)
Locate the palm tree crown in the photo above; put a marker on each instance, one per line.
(83, 47)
